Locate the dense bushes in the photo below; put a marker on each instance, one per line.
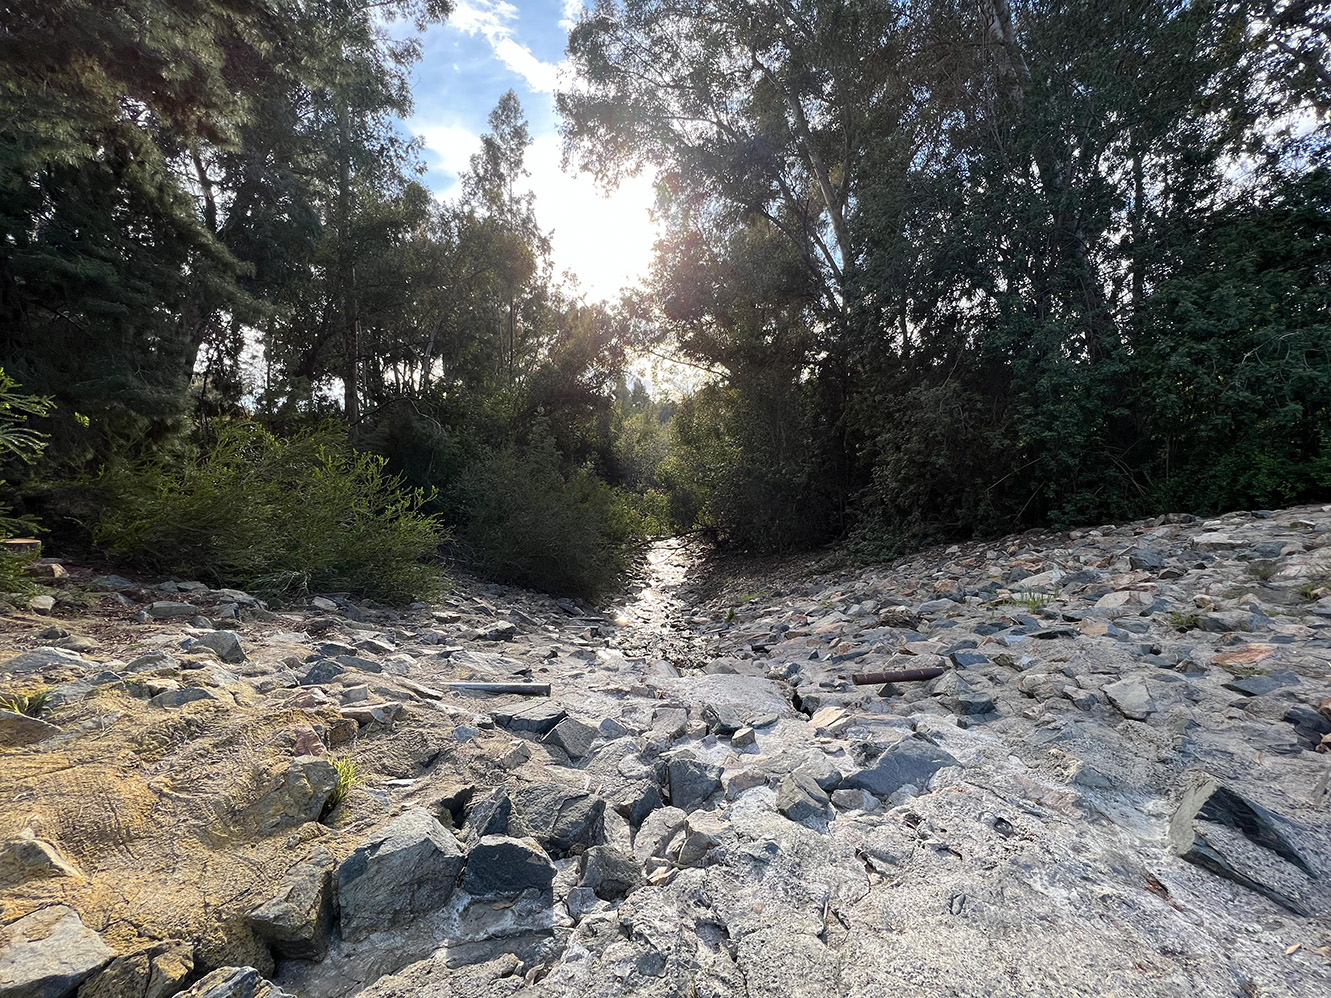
(278, 516)
(532, 523)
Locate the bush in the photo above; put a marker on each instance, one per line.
(275, 516)
(531, 524)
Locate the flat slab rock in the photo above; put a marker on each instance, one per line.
(48, 953)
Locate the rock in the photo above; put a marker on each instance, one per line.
(40, 660)
(503, 630)
(489, 815)
(41, 604)
(297, 922)
(800, 799)
(366, 714)
(80, 689)
(659, 828)
(183, 695)
(558, 817)
(27, 857)
(235, 982)
(743, 737)
(17, 730)
(225, 643)
(609, 873)
(1215, 541)
(156, 971)
(405, 870)
(854, 800)
(610, 729)
(48, 954)
(297, 793)
(721, 720)
(574, 737)
(1131, 697)
(886, 768)
(322, 672)
(502, 866)
(1260, 685)
(691, 782)
(1205, 799)
(537, 716)
(167, 610)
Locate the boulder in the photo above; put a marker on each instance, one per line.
(167, 610)
(156, 971)
(538, 716)
(502, 866)
(297, 792)
(48, 954)
(297, 922)
(183, 695)
(887, 767)
(234, 982)
(557, 816)
(608, 872)
(574, 737)
(800, 798)
(17, 730)
(405, 870)
(691, 782)
(27, 857)
(1131, 697)
(489, 815)
(225, 643)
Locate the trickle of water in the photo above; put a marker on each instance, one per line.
(650, 613)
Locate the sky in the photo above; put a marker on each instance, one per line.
(484, 49)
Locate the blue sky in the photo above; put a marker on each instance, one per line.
(484, 49)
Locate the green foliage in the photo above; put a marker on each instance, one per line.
(349, 778)
(533, 523)
(1184, 621)
(278, 516)
(32, 704)
(19, 442)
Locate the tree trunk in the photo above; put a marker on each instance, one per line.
(347, 270)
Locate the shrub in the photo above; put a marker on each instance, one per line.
(532, 524)
(276, 516)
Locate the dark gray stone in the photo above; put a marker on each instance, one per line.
(609, 873)
(489, 815)
(81, 689)
(406, 869)
(1256, 686)
(537, 716)
(297, 922)
(691, 782)
(322, 672)
(359, 664)
(501, 866)
(225, 643)
(574, 737)
(722, 720)
(886, 768)
(557, 816)
(234, 982)
(166, 610)
(799, 798)
(182, 696)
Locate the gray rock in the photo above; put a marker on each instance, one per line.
(41, 604)
(297, 922)
(557, 816)
(17, 730)
(609, 873)
(502, 866)
(610, 729)
(297, 793)
(691, 782)
(48, 954)
(721, 720)
(81, 689)
(40, 660)
(574, 737)
(234, 982)
(1131, 697)
(489, 815)
(359, 664)
(1205, 799)
(654, 837)
(537, 716)
(743, 738)
(322, 672)
(167, 610)
(503, 630)
(801, 799)
(155, 971)
(1260, 685)
(225, 643)
(27, 857)
(406, 869)
(886, 768)
(182, 696)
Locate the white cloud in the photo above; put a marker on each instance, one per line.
(572, 11)
(495, 21)
(453, 144)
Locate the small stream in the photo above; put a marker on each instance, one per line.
(653, 618)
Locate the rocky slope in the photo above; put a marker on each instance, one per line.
(1114, 788)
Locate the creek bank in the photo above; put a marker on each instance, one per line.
(1116, 778)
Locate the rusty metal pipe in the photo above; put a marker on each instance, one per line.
(901, 676)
